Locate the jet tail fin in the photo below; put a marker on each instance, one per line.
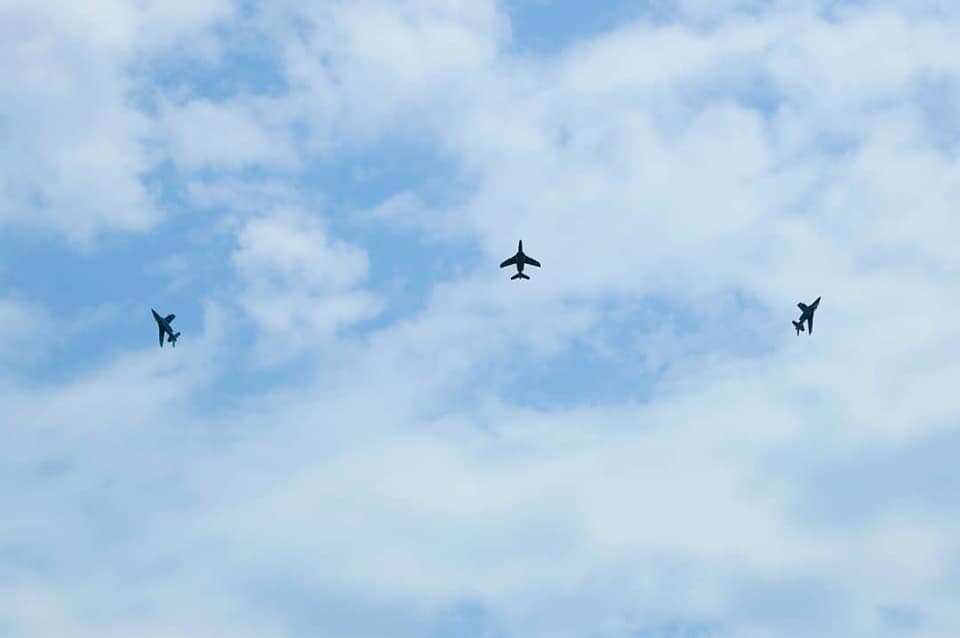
(520, 275)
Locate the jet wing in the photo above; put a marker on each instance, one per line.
(531, 261)
(810, 324)
(161, 335)
(169, 318)
(509, 262)
(802, 306)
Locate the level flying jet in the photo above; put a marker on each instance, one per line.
(163, 323)
(520, 260)
(806, 314)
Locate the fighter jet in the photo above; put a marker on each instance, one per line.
(520, 260)
(163, 323)
(806, 314)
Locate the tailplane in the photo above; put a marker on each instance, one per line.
(799, 326)
(520, 275)
(173, 338)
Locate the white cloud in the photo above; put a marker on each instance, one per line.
(359, 70)
(26, 329)
(228, 136)
(75, 142)
(300, 286)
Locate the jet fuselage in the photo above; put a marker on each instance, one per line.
(806, 315)
(163, 323)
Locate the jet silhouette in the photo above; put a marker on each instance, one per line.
(520, 260)
(163, 323)
(806, 314)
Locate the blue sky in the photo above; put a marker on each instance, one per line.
(368, 430)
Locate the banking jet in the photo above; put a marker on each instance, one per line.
(520, 260)
(806, 314)
(163, 323)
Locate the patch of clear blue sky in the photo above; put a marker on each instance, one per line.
(548, 26)
(868, 482)
(307, 611)
(681, 629)
(405, 262)
(637, 344)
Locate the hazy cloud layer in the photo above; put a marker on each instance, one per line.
(632, 444)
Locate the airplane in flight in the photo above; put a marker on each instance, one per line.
(163, 323)
(520, 259)
(806, 314)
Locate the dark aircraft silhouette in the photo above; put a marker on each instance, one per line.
(806, 314)
(520, 259)
(163, 323)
